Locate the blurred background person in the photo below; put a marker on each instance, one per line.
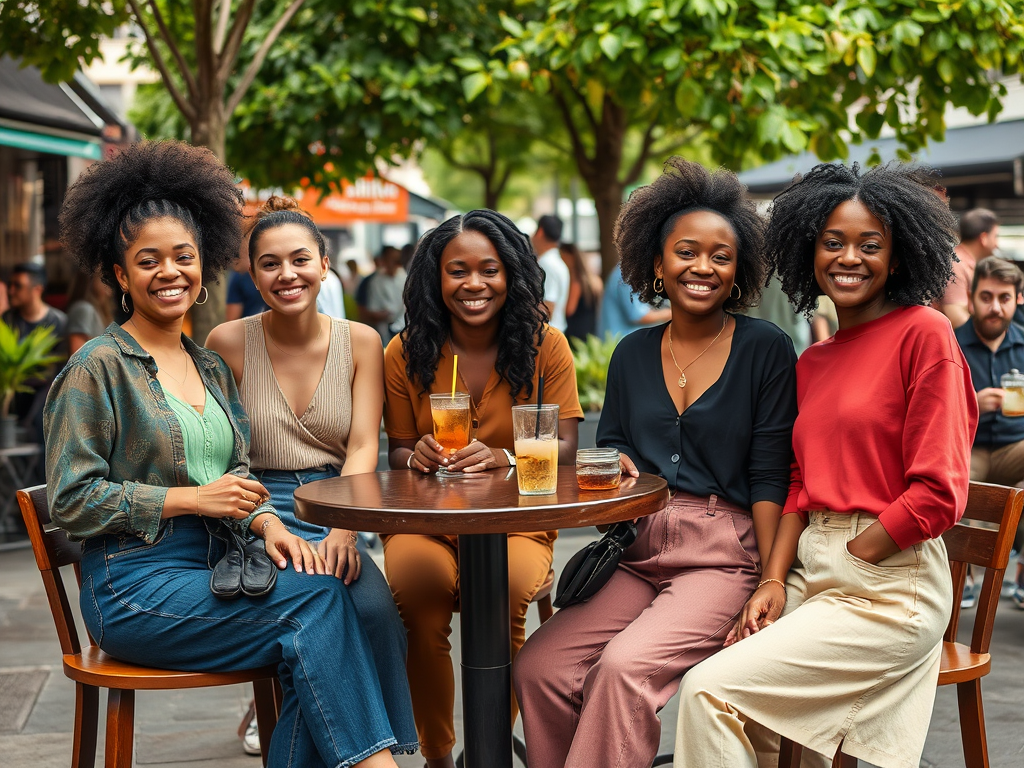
(385, 309)
(556, 275)
(979, 239)
(585, 291)
(90, 309)
(622, 313)
(244, 298)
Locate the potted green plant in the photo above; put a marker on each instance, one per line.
(591, 358)
(21, 360)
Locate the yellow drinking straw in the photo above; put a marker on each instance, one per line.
(455, 373)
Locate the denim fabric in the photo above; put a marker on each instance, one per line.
(372, 598)
(151, 604)
(113, 444)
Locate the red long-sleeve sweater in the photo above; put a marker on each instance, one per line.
(886, 419)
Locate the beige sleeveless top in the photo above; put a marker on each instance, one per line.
(279, 439)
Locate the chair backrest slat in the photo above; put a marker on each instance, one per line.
(53, 551)
(984, 547)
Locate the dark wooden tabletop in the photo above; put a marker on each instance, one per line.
(403, 501)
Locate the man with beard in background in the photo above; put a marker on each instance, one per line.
(994, 346)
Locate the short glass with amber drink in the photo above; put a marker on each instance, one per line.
(452, 425)
(597, 469)
(535, 429)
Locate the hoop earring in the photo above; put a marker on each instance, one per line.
(204, 288)
(658, 288)
(323, 278)
(739, 294)
(124, 304)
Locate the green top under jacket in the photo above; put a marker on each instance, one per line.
(207, 436)
(114, 444)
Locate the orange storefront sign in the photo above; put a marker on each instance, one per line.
(369, 199)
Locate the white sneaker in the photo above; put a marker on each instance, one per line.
(251, 739)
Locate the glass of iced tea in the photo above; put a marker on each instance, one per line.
(535, 430)
(1013, 400)
(597, 469)
(452, 424)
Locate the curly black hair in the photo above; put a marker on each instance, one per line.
(106, 207)
(901, 196)
(521, 320)
(647, 219)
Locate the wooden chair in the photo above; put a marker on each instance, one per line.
(962, 665)
(92, 669)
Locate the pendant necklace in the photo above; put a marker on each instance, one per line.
(681, 382)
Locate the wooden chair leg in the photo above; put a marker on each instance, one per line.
(544, 608)
(972, 724)
(87, 711)
(790, 753)
(120, 728)
(266, 713)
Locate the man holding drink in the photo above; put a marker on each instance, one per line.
(994, 349)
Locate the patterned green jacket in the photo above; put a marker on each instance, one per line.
(113, 444)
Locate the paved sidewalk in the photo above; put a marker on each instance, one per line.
(196, 729)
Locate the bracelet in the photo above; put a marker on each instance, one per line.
(408, 461)
(769, 581)
(264, 524)
(199, 512)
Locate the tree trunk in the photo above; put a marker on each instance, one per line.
(210, 130)
(602, 177)
(608, 203)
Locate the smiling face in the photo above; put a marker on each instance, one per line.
(852, 259)
(473, 279)
(992, 305)
(288, 268)
(698, 262)
(162, 272)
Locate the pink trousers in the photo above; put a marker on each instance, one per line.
(591, 680)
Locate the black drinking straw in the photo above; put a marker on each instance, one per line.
(540, 399)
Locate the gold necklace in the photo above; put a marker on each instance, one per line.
(682, 376)
(319, 333)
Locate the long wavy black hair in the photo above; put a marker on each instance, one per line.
(923, 230)
(106, 208)
(521, 319)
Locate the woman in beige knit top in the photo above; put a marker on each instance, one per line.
(298, 374)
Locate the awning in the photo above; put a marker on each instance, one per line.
(56, 145)
(25, 97)
(972, 155)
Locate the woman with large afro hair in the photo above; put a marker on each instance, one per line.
(706, 401)
(147, 464)
(474, 290)
(841, 641)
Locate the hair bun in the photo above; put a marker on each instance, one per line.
(276, 203)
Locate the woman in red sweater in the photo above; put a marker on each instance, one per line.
(882, 444)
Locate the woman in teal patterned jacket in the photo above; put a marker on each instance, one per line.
(146, 453)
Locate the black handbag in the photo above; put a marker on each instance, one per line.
(590, 568)
(245, 569)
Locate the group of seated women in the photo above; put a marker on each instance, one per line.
(807, 498)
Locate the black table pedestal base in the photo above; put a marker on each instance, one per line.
(486, 650)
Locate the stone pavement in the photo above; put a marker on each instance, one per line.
(196, 729)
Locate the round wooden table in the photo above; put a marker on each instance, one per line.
(481, 510)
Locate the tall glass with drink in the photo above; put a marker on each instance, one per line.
(1013, 400)
(452, 424)
(535, 429)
